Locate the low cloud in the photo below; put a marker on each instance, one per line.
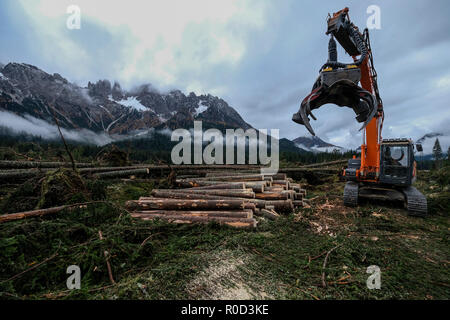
(38, 127)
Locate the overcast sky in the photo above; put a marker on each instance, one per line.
(262, 57)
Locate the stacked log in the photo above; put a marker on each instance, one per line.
(235, 213)
(230, 198)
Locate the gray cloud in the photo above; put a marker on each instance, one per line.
(262, 58)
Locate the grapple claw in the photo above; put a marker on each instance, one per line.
(305, 119)
(342, 91)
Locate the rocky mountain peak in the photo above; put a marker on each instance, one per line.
(28, 91)
(101, 88)
(116, 91)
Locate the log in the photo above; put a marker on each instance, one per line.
(220, 213)
(109, 169)
(180, 195)
(250, 184)
(258, 212)
(109, 172)
(279, 176)
(270, 214)
(40, 212)
(175, 195)
(186, 176)
(233, 222)
(325, 163)
(106, 254)
(23, 174)
(200, 183)
(274, 189)
(32, 213)
(290, 193)
(272, 196)
(7, 164)
(298, 196)
(298, 203)
(188, 183)
(281, 206)
(182, 204)
(250, 177)
(228, 173)
(244, 193)
(316, 170)
(256, 187)
(258, 203)
(282, 183)
(238, 185)
(122, 173)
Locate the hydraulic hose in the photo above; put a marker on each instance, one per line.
(332, 51)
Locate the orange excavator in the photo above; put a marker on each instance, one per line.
(386, 167)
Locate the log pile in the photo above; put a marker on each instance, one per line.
(232, 199)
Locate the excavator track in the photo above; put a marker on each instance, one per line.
(416, 202)
(351, 194)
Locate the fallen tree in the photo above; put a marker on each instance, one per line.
(40, 212)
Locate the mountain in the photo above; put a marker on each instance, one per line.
(103, 112)
(315, 144)
(102, 107)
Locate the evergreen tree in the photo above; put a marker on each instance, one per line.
(437, 153)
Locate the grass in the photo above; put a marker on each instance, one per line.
(280, 259)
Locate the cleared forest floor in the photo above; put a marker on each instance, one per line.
(281, 259)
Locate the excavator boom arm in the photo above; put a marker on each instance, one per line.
(338, 84)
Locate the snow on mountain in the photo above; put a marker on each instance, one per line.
(200, 109)
(132, 102)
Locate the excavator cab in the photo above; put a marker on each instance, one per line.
(397, 162)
